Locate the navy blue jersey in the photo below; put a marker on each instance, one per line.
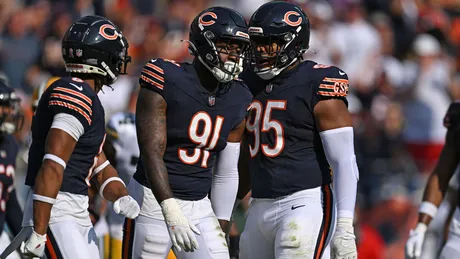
(285, 147)
(198, 124)
(75, 97)
(8, 152)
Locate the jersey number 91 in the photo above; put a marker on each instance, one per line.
(202, 139)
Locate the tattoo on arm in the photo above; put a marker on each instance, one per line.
(151, 133)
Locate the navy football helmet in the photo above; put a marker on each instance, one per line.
(280, 34)
(219, 30)
(11, 119)
(94, 48)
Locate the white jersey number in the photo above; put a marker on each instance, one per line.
(201, 138)
(262, 122)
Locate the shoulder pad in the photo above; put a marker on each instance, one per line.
(334, 81)
(72, 96)
(452, 118)
(152, 75)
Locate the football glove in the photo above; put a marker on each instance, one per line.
(415, 241)
(127, 207)
(181, 230)
(343, 244)
(34, 246)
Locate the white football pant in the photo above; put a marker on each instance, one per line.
(146, 237)
(298, 226)
(452, 247)
(70, 233)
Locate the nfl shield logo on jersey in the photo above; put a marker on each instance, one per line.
(212, 100)
(269, 88)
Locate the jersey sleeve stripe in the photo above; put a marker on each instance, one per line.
(72, 99)
(157, 68)
(154, 75)
(73, 107)
(334, 94)
(82, 96)
(335, 80)
(324, 86)
(150, 81)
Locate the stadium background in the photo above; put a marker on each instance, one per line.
(401, 57)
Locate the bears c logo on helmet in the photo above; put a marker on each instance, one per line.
(288, 20)
(112, 35)
(207, 23)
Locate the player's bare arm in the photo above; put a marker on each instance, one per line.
(438, 182)
(332, 114)
(112, 188)
(225, 178)
(59, 145)
(151, 134)
(435, 191)
(104, 171)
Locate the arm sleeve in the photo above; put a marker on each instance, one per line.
(73, 102)
(339, 148)
(333, 85)
(152, 76)
(13, 213)
(69, 124)
(225, 181)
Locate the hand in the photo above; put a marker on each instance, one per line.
(34, 246)
(180, 229)
(343, 244)
(127, 207)
(415, 241)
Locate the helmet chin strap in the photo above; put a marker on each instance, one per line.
(218, 73)
(271, 73)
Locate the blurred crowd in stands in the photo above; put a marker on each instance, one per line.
(401, 57)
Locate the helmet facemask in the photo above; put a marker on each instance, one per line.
(235, 51)
(273, 53)
(11, 119)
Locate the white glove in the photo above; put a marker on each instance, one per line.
(179, 227)
(34, 246)
(127, 207)
(343, 244)
(415, 241)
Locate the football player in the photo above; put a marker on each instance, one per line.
(298, 132)
(10, 122)
(68, 133)
(186, 114)
(435, 190)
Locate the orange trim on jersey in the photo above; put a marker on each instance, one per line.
(327, 221)
(84, 97)
(157, 68)
(326, 86)
(335, 80)
(151, 82)
(72, 99)
(128, 236)
(73, 107)
(332, 94)
(150, 73)
(51, 250)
